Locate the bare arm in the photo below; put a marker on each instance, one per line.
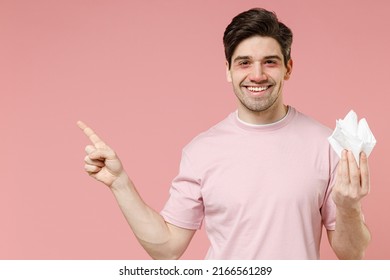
(351, 237)
(160, 239)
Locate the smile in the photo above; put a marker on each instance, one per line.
(258, 89)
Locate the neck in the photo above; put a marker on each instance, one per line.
(263, 117)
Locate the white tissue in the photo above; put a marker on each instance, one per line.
(353, 136)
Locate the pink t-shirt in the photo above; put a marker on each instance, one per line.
(263, 192)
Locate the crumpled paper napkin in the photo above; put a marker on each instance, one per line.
(353, 136)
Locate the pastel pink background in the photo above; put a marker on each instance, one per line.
(148, 76)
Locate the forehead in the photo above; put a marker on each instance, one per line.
(258, 47)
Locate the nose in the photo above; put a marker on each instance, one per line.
(257, 74)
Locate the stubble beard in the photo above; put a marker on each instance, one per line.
(259, 104)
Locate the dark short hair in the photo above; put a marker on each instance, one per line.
(257, 22)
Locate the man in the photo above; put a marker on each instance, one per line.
(264, 180)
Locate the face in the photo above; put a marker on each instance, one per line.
(257, 73)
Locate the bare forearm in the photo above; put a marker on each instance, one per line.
(351, 236)
(160, 239)
(148, 226)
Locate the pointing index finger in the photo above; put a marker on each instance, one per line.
(91, 134)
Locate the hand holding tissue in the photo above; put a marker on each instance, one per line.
(353, 136)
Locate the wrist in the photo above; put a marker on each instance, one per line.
(121, 182)
(350, 212)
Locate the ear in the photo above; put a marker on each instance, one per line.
(228, 74)
(289, 69)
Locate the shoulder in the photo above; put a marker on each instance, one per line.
(312, 136)
(309, 125)
(209, 137)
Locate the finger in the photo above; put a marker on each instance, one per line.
(93, 137)
(95, 162)
(343, 168)
(102, 154)
(365, 174)
(354, 173)
(89, 149)
(92, 168)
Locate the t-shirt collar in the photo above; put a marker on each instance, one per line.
(271, 126)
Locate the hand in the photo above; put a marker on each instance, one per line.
(352, 182)
(101, 161)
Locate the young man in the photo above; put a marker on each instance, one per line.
(264, 180)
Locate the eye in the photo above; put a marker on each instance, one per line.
(270, 62)
(244, 63)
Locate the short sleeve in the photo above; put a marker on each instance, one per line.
(328, 209)
(184, 207)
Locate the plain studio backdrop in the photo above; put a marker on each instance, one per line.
(148, 76)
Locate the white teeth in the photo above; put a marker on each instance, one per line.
(257, 88)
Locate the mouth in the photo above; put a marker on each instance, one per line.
(257, 90)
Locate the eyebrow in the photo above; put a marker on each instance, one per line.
(245, 57)
(273, 57)
(242, 58)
